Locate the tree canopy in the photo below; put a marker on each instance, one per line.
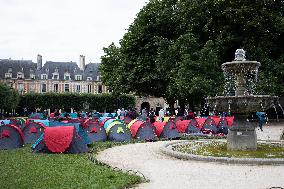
(174, 48)
(9, 98)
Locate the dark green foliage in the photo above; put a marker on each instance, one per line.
(175, 48)
(99, 102)
(9, 98)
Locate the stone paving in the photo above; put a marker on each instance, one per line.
(169, 173)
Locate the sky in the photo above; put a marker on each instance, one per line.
(62, 30)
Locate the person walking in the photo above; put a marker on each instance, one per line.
(261, 119)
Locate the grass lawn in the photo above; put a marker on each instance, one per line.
(20, 168)
(219, 149)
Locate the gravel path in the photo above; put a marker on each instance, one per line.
(169, 173)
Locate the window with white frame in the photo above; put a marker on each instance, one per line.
(8, 75)
(20, 87)
(78, 88)
(89, 78)
(43, 76)
(100, 89)
(55, 87)
(66, 88)
(20, 75)
(67, 76)
(32, 87)
(32, 76)
(110, 90)
(55, 76)
(78, 77)
(43, 87)
(89, 88)
(98, 78)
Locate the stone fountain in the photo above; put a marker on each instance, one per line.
(243, 73)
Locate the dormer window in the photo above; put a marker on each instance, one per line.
(89, 78)
(109, 90)
(55, 76)
(20, 75)
(67, 76)
(43, 76)
(56, 70)
(78, 77)
(32, 76)
(98, 78)
(8, 75)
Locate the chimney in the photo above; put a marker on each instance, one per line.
(39, 62)
(82, 62)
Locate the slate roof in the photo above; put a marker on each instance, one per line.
(63, 67)
(25, 66)
(91, 70)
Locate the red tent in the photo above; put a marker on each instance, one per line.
(216, 119)
(159, 127)
(61, 139)
(230, 120)
(58, 139)
(135, 126)
(200, 121)
(182, 125)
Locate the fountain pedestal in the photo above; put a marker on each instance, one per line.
(242, 135)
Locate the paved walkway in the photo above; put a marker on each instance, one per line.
(169, 173)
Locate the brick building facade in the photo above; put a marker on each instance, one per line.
(27, 76)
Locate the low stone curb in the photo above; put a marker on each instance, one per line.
(167, 149)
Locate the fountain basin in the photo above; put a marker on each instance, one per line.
(244, 66)
(169, 149)
(242, 104)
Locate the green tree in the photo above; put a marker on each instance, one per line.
(174, 48)
(9, 98)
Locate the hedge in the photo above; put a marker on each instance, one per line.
(99, 102)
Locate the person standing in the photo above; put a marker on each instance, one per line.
(161, 115)
(144, 114)
(122, 114)
(190, 115)
(152, 115)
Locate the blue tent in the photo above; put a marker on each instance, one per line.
(73, 115)
(4, 122)
(108, 115)
(54, 140)
(108, 122)
(43, 121)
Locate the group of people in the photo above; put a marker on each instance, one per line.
(151, 114)
(130, 112)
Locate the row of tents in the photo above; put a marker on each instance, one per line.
(74, 135)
